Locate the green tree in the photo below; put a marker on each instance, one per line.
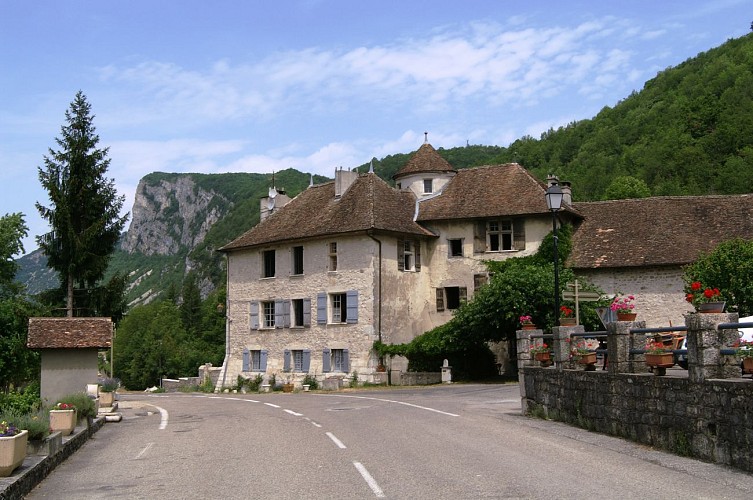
(625, 187)
(729, 267)
(84, 210)
(12, 231)
(190, 307)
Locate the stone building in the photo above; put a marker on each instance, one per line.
(352, 261)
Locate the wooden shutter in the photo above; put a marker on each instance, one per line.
(346, 360)
(400, 255)
(321, 308)
(463, 294)
(306, 360)
(351, 301)
(246, 360)
(279, 315)
(254, 315)
(306, 312)
(263, 360)
(519, 234)
(479, 237)
(326, 360)
(417, 254)
(286, 313)
(286, 360)
(440, 299)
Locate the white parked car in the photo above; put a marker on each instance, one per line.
(745, 334)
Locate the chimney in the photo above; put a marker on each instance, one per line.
(343, 180)
(552, 180)
(276, 199)
(567, 193)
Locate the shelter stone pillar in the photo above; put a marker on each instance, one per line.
(704, 344)
(619, 343)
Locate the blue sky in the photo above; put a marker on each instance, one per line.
(253, 86)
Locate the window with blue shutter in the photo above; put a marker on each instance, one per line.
(346, 361)
(306, 360)
(254, 315)
(279, 313)
(307, 312)
(246, 360)
(286, 360)
(352, 305)
(326, 360)
(321, 308)
(263, 360)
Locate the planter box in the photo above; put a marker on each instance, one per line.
(63, 421)
(665, 360)
(587, 359)
(12, 452)
(106, 399)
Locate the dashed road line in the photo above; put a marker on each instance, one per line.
(336, 441)
(272, 405)
(293, 413)
(369, 480)
(393, 401)
(141, 453)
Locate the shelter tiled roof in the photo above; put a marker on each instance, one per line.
(369, 204)
(665, 230)
(489, 191)
(426, 159)
(69, 333)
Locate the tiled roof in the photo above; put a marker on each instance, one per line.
(369, 204)
(69, 333)
(426, 159)
(666, 230)
(490, 191)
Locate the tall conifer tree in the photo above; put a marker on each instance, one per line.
(85, 209)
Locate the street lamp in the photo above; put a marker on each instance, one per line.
(554, 202)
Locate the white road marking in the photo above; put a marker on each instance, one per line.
(293, 413)
(143, 451)
(392, 401)
(164, 417)
(336, 441)
(272, 405)
(369, 480)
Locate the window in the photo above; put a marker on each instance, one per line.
(455, 247)
(297, 264)
(254, 360)
(479, 280)
(450, 297)
(268, 264)
(301, 312)
(499, 235)
(337, 307)
(268, 309)
(408, 255)
(335, 360)
(428, 186)
(297, 360)
(333, 256)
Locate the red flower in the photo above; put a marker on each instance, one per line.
(689, 297)
(696, 285)
(708, 293)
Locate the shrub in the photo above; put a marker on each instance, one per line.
(251, 384)
(37, 423)
(311, 381)
(83, 403)
(20, 402)
(109, 384)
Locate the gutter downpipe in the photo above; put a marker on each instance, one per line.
(379, 284)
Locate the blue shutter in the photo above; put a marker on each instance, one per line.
(286, 313)
(306, 312)
(346, 361)
(286, 360)
(263, 360)
(246, 360)
(321, 308)
(279, 314)
(306, 364)
(254, 315)
(352, 306)
(400, 255)
(417, 254)
(326, 360)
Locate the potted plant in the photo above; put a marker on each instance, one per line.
(704, 299)
(567, 316)
(526, 322)
(540, 352)
(744, 350)
(63, 418)
(584, 351)
(659, 356)
(288, 386)
(107, 389)
(624, 307)
(12, 447)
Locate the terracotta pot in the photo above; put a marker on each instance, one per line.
(567, 322)
(63, 421)
(664, 360)
(626, 316)
(587, 359)
(542, 356)
(12, 452)
(287, 387)
(747, 365)
(529, 326)
(711, 307)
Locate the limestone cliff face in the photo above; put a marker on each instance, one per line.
(170, 215)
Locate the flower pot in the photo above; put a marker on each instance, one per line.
(587, 359)
(529, 326)
(12, 452)
(663, 360)
(306, 387)
(748, 365)
(567, 322)
(626, 316)
(711, 307)
(106, 399)
(287, 387)
(542, 356)
(63, 421)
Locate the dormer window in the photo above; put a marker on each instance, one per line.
(499, 235)
(428, 186)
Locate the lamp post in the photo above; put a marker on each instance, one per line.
(554, 203)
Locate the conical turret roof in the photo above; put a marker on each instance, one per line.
(425, 160)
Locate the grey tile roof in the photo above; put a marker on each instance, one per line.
(425, 160)
(69, 333)
(666, 230)
(369, 204)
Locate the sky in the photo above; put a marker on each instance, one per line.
(261, 86)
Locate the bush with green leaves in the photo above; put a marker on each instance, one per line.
(311, 381)
(85, 406)
(26, 400)
(36, 422)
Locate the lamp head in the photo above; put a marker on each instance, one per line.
(554, 197)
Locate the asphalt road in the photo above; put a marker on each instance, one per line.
(458, 441)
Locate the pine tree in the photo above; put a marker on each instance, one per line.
(85, 210)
